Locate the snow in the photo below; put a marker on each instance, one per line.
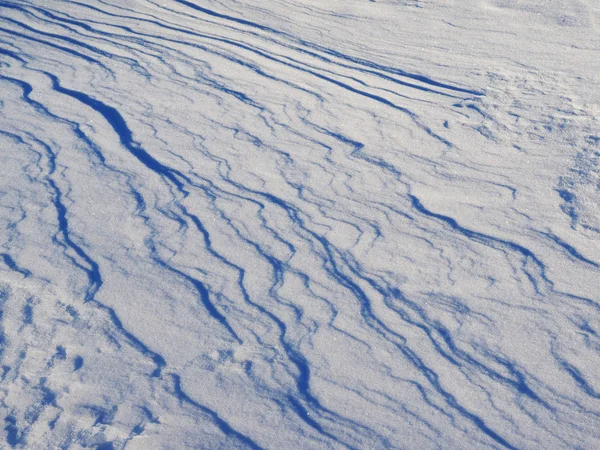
(300, 224)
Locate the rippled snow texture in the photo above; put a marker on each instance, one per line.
(300, 224)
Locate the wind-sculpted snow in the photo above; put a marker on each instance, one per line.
(300, 224)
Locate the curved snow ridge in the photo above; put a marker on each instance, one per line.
(225, 226)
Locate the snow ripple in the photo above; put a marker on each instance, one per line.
(299, 224)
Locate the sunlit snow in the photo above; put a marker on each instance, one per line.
(300, 224)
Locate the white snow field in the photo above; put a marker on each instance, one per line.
(300, 224)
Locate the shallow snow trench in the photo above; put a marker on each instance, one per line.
(300, 224)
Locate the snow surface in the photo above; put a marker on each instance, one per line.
(300, 224)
